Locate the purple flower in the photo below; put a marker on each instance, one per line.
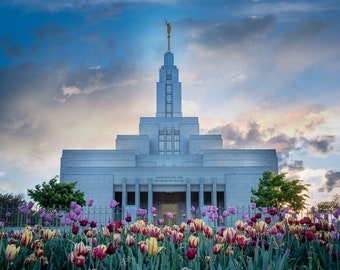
(153, 209)
(232, 210)
(226, 213)
(113, 203)
(30, 205)
(252, 205)
(8, 214)
(264, 210)
(245, 216)
(192, 209)
(128, 217)
(48, 217)
(42, 214)
(90, 202)
(161, 221)
(170, 215)
(73, 204)
(141, 212)
(67, 221)
(78, 210)
(220, 218)
(203, 213)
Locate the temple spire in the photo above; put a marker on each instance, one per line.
(168, 26)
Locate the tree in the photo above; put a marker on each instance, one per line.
(56, 195)
(12, 200)
(329, 206)
(274, 190)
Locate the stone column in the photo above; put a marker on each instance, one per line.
(188, 199)
(137, 194)
(150, 199)
(214, 193)
(124, 197)
(225, 194)
(201, 195)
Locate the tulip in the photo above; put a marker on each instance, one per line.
(193, 241)
(261, 227)
(191, 253)
(81, 249)
(229, 251)
(217, 248)
(142, 246)
(106, 232)
(75, 229)
(11, 252)
(26, 237)
(152, 246)
(272, 211)
(242, 241)
(128, 217)
(93, 224)
(99, 252)
(90, 202)
(199, 224)
(230, 235)
(310, 235)
(160, 221)
(208, 232)
(47, 234)
(83, 222)
(130, 240)
(113, 203)
(111, 249)
(116, 238)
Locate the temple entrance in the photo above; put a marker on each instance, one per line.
(169, 208)
(173, 202)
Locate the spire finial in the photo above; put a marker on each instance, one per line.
(168, 28)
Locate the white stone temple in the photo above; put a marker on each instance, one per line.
(169, 165)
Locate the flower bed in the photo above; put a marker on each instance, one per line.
(264, 240)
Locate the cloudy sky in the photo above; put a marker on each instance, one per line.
(264, 74)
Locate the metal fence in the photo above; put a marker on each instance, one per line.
(12, 216)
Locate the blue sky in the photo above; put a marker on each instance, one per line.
(264, 74)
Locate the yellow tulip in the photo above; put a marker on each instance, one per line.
(152, 246)
(11, 252)
(26, 237)
(48, 234)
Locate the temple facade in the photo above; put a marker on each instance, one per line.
(169, 165)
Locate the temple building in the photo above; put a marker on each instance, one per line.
(169, 165)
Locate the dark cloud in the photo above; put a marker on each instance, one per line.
(307, 32)
(221, 34)
(50, 30)
(103, 12)
(321, 144)
(257, 136)
(294, 165)
(90, 79)
(332, 181)
(10, 48)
